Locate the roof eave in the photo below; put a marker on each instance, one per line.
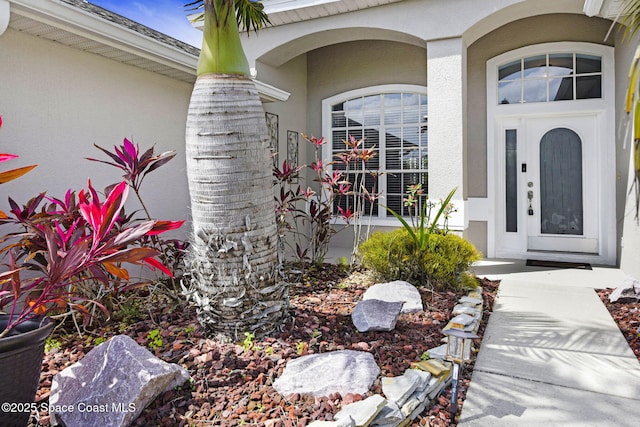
(592, 7)
(85, 24)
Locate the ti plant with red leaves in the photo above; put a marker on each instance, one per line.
(136, 166)
(313, 225)
(59, 249)
(67, 245)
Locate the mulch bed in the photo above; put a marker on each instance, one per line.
(232, 383)
(627, 316)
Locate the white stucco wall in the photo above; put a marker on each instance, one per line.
(629, 229)
(630, 257)
(57, 102)
(292, 114)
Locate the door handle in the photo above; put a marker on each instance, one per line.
(530, 197)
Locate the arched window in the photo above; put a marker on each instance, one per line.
(393, 122)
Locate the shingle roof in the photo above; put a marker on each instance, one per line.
(132, 25)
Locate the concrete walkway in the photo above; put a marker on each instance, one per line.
(551, 354)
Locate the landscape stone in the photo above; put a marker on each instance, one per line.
(470, 300)
(344, 422)
(436, 367)
(628, 291)
(396, 291)
(461, 320)
(111, 385)
(389, 415)
(475, 293)
(424, 376)
(376, 315)
(344, 371)
(465, 309)
(419, 409)
(439, 352)
(438, 387)
(412, 408)
(399, 389)
(364, 411)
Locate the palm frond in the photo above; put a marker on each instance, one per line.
(250, 14)
(629, 18)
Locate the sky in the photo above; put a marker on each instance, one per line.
(167, 16)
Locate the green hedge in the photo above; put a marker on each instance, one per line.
(442, 264)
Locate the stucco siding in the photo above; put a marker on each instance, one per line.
(338, 68)
(57, 102)
(628, 227)
(292, 114)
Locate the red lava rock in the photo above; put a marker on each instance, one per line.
(351, 397)
(361, 346)
(232, 386)
(203, 358)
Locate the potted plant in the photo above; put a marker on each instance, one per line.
(55, 250)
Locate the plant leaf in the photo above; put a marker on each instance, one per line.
(119, 272)
(12, 174)
(154, 263)
(129, 255)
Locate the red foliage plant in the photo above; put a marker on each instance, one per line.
(63, 246)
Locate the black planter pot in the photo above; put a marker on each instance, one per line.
(21, 355)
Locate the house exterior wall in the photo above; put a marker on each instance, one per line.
(628, 226)
(292, 115)
(332, 44)
(346, 66)
(57, 102)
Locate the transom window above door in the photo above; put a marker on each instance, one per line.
(393, 122)
(549, 78)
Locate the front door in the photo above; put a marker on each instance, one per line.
(551, 169)
(561, 189)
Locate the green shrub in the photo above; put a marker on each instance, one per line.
(442, 263)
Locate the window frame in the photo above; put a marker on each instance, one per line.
(523, 76)
(382, 217)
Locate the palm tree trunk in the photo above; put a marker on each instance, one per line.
(234, 267)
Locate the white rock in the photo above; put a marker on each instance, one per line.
(376, 315)
(344, 422)
(397, 291)
(364, 411)
(399, 389)
(344, 371)
(111, 385)
(629, 289)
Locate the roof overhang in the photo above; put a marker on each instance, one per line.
(78, 25)
(282, 12)
(90, 28)
(604, 8)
